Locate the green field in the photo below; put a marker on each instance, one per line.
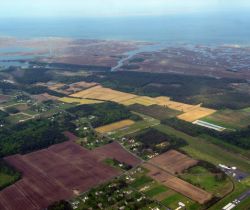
(206, 180)
(239, 188)
(173, 199)
(7, 175)
(137, 126)
(141, 181)
(156, 190)
(201, 149)
(232, 119)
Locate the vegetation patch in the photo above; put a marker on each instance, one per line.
(155, 111)
(104, 113)
(29, 136)
(7, 175)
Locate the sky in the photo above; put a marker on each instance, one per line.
(114, 8)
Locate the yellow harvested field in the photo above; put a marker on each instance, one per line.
(190, 112)
(179, 106)
(115, 126)
(162, 100)
(79, 100)
(196, 114)
(101, 93)
(143, 100)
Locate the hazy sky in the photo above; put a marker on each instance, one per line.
(100, 8)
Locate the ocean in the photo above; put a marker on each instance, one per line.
(213, 28)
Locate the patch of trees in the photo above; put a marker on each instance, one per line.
(136, 60)
(12, 110)
(130, 67)
(35, 90)
(6, 86)
(154, 111)
(34, 75)
(150, 138)
(29, 136)
(219, 174)
(103, 113)
(240, 138)
(9, 171)
(3, 114)
(60, 205)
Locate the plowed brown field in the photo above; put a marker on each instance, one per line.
(59, 172)
(177, 184)
(173, 161)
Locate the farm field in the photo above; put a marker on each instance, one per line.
(44, 97)
(173, 161)
(196, 114)
(60, 168)
(191, 112)
(101, 93)
(142, 100)
(117, 152)
(137, 126)
(232, 119)
(177, 184)
(68, 89)
(155, 111)
(115, 126)
(79, 101)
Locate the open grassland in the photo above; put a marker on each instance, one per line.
(115, 126)
(201, 149)
(79, 101)
(191, 112)
(239, 188)
(228, 118)
(200, 176)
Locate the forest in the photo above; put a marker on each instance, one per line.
(29, 136)
(103, 113)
